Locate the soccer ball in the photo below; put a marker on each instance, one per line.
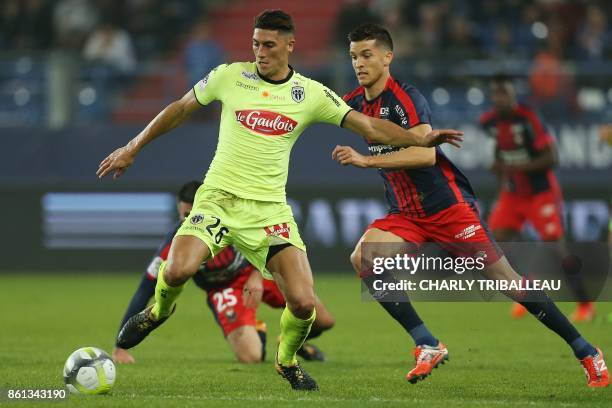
(89, 370)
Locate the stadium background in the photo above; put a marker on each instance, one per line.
(79, 78)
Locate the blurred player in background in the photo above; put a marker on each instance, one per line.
(429, 199)
(234, 289)
(525, 155)
(266, 106)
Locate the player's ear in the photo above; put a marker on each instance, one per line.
(290, 43)
(388, 58)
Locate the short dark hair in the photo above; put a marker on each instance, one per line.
(188, 191)
(276, 20)
(370, 31)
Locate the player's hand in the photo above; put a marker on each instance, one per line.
(347, 155)
(439, 136)
(122, 356)
(118, 161)
(253, 290)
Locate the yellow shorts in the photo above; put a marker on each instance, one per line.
(220, 219)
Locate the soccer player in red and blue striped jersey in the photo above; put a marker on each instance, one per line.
(430, 200)
(525, 156)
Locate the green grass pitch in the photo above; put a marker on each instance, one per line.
(494, 361)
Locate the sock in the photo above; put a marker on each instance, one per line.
(422, 336)
(262, 336)
(582, 348)
(314, 332)
(402, 311)
(293, 333)
(572, 268)
(165, 295)
(547, 312)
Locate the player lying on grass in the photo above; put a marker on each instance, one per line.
(525, 156)
(429, 199)
(234, 289)
(266, 105)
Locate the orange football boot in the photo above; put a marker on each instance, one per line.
(518, 311)
(596, 371)
(427, 358)
(585, 312)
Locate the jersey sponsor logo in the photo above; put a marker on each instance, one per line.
(250, 75)
(298, 94)
(332, 97)
(196, 219)
(247, 86)
(402, 115)
(278, 230)
(273, 97)
(384, 112)
(518, 156)
(382, 149)
(266, 122)
(468, 232)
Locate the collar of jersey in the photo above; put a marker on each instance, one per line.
(281, 81)
(387, 86)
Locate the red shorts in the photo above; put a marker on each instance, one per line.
(542, 210)
(227, 303)
(458, 229)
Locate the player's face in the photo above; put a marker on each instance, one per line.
(370, 61)
(183, 209)
(272, 50)
(502, 96)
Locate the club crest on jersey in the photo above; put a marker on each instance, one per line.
(278, 230)
(196, 219)
(266, 122)
(297, 93)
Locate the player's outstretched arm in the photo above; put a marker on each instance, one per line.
(172, 116)
(408, 158)
(386, 132)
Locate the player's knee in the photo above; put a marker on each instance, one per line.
(326, 322)
(178, 271)
(302, 306)
(248, 355)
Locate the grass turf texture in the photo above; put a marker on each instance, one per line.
(494, 361)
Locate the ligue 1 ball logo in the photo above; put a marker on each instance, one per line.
(196, 219)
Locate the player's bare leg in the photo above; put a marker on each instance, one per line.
(186, 255)
(429, 353)
(246, 344)
(293, 276)
(544, 309)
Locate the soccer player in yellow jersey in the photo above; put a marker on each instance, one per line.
(266, 106)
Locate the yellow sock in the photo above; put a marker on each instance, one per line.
(165, 295)
(293, 333)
